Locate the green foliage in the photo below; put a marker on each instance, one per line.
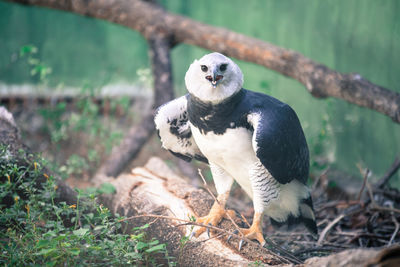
(85, 121)
(38, 231)
(256, 263)
(38, 68)
(320, 146)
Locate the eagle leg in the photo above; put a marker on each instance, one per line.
(214, 217)
(255, 230)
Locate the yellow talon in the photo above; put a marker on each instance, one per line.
(255, 230)
(214, 217)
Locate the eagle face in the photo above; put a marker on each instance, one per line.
(213, 78)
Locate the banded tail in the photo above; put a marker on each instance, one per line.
(306, 217)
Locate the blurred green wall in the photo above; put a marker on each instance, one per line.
(346, 35)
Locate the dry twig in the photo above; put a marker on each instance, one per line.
(363, 185)
(216, 200)
(291, 259)
(328, 228)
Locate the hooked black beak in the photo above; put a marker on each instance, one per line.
(214, 79)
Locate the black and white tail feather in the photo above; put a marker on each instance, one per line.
(305, 216)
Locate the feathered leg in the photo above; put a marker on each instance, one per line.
(265, 189)
(223, 183)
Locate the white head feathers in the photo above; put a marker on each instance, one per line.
(213, 78)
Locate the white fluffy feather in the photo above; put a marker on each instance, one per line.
(198, 86)
(165, 114)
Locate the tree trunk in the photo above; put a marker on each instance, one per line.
(150, 19)
(137, 136)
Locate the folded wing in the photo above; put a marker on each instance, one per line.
(173, 128)
(279, 143)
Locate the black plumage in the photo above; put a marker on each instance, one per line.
(282, 147)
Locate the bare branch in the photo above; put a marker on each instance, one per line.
(392, 171)
(150, 19)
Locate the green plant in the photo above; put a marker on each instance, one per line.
(84, 123)
(256, 263)
(320, 144)
(36, 230)
(38, 68)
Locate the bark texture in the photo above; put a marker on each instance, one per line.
(155, 189)
(151, 20)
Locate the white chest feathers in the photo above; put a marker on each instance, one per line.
(232, 151)
(225, 149)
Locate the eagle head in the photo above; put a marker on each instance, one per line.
(213, 78)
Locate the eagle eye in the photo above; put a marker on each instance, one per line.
(204, 68)
(223, 67)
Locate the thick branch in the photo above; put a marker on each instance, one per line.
(129, 147)
(150, 19)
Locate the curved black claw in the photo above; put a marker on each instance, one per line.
(208, 230)
(241, 243)
(192, 234)
(230, 236)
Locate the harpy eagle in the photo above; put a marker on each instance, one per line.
(245, 136)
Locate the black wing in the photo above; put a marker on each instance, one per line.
(174, 131)
(279, 142)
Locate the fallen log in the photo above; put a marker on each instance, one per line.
(155, 190)
(155, 195)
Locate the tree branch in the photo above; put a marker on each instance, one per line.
(150, 19)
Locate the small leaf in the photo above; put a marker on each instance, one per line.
(107, 188)
(33, 61)
(50, 233)
(99, 227)
(51, 263)
(141, 245)
(27, 49)
(42, 243)
(142, 227)
(66, 244)
(75, 251)
(154, 242)
(156, 248)
(80, 231)
(46, 251)
(60, 237)
(133, 255)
